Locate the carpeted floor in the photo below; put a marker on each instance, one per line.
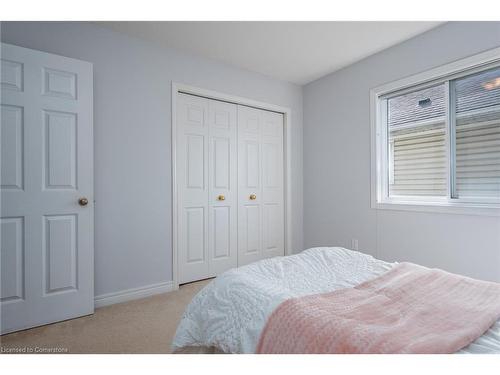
(142, 326)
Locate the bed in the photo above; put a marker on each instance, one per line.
(229, 314)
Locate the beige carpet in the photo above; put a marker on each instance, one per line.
(142, 326)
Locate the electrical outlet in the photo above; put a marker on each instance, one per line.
(354, 244)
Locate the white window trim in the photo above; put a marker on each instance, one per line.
(379, 169)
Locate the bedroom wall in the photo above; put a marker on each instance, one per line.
(132, 128)
(337, 163)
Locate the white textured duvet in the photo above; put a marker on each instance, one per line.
(231, 311)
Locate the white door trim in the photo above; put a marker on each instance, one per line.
(179, 87)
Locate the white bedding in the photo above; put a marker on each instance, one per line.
(231, 311)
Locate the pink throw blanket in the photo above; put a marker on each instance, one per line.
(409, 309)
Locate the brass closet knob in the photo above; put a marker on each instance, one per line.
(83, 201)
(253, 197)
(221, 197)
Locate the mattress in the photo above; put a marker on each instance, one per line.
(229, 314)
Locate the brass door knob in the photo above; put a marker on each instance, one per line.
(221, 197)
(253, 197)
(83, 201)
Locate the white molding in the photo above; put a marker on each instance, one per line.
(439, 207)
(441, 74)
(134, 293)
(173, 145)
(287, 142)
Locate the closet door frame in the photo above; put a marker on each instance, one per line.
(287, 151)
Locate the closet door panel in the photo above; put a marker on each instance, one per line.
(222, 202)
(272, 231)
(251, 224)
(249, 185)
(251, 153)
(195, 236)
(192, 182)
(272, 185)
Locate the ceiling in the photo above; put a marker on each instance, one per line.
(298, 52)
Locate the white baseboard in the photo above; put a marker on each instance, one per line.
(131, 294)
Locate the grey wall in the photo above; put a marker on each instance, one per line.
(132, 125)
(337, 163)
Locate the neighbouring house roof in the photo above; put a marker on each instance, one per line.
(472, 93)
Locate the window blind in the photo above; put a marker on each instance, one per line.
(419, 161)
(477, 108)
(478, 155)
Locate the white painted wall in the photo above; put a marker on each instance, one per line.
(132, 128)
(337, 163)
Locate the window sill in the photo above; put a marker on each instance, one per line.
(460, 208)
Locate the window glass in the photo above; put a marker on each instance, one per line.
(417, 143)
(477, 137)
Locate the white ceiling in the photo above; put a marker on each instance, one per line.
(298, 52)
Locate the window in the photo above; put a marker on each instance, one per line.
(437, 138)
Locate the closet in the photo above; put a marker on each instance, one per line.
(229, 183)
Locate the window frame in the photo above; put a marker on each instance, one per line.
(445, 74)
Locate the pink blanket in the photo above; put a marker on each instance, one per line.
(409, 309)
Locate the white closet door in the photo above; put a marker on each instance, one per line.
(260, 181)
(46, 168)
(192, 180)
(207, 186)
(223, 180)
(273, 228)
(230, 186)
(249, 185)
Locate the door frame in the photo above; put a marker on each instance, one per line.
(287, 148)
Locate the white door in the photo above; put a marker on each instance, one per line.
(206, 185)
(223, 185)
(46, 175)
(273, 213)
(260, 185)
(192, 187)
(249, 185)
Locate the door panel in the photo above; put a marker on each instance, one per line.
(60, 253)
(195, 235)
(261, 209)
(223, 187)
(47, 160)
(195, 155)
(13, 254)
(12, 74)
(272, 187)
(192, 155)
(252, 167)
(249, 185)
(12, 147)
(60, 142)
(221, 162)
(271, 165)
(59, 83)
(252, 225)
(207, 184)
(221, 235)
(272, 230)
